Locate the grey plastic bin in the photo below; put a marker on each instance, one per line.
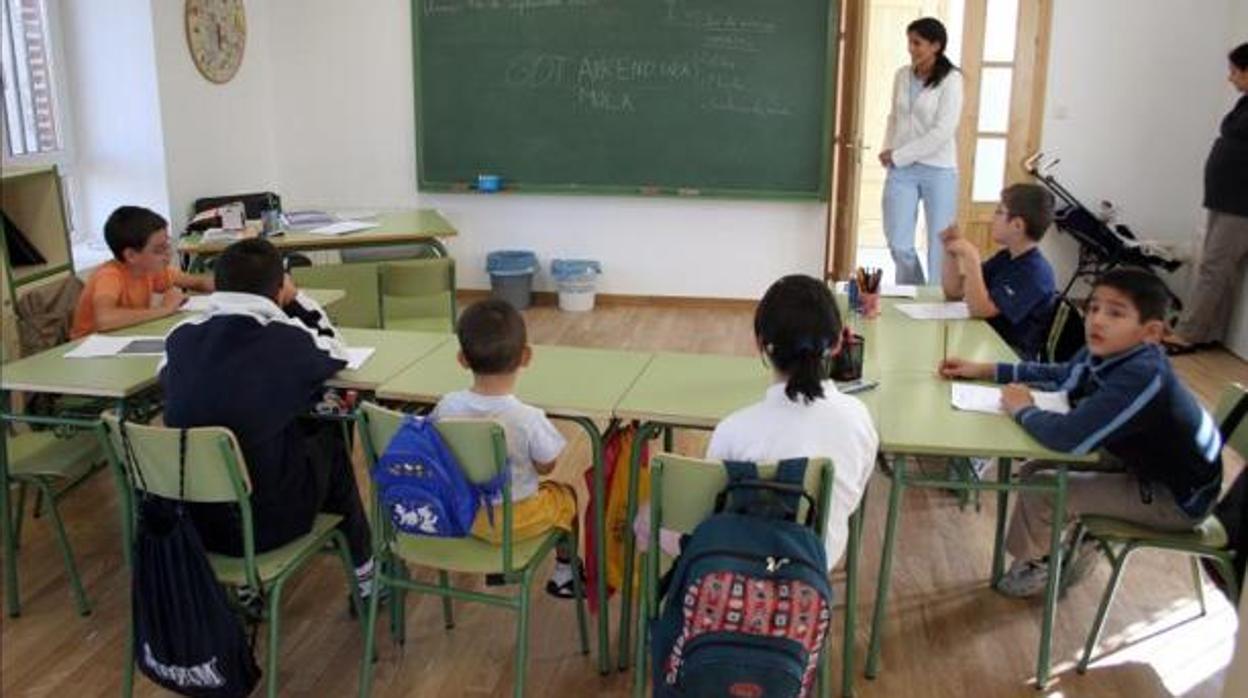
(511, 276)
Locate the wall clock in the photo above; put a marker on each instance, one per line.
(216, 34)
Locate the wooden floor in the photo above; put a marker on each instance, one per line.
(947, 634)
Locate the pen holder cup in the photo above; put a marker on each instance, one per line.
(846, 365)
(870, 304)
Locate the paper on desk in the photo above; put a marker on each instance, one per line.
(886, 290)
(987, 398)
(197, 304)
(356, 356)
(342, 228)
(936, 311)
(98, 345)
(899, 291)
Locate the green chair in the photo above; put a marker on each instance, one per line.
(481, 449)
(362, 305)
(682, 495)
(216, 473)
(418, 295)
(43, 460)
(1119, 538)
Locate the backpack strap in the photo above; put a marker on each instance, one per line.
(792, 471)
(740, 475)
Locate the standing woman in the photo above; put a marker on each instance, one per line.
(919, 150)
(1226, 234)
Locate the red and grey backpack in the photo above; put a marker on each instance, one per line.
(747, 603)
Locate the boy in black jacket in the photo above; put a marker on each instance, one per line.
(256, 363)
(1125, 400)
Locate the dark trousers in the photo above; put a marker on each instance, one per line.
(279, 518)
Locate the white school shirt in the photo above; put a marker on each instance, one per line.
(836, 426)
(531, 438)
(923, 129)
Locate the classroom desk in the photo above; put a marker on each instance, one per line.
(575, 384)
(325, 297)
(913, 415)
(395, 351)
(422, 225)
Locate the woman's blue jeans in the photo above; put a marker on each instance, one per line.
(937, 188)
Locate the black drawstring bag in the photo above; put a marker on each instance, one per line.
(187, 639)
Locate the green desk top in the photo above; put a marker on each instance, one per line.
(564, 381)
(395, 351)
(326, 297)
(694, 390)
(896, 342)
(50, 372)
(913, 414)
(392, 228)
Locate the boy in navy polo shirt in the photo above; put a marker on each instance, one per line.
(1014, 290)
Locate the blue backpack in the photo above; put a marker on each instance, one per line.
(422, 487)
(748, 604)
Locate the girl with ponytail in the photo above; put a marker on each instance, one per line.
(797, 326)
(920, 151)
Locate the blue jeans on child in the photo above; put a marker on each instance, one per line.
(937, 187)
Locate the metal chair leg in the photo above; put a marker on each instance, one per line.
(1120, 563)
(67, 554)
(1199, 582)
(272, 651)
(448, 607)
(886, 568)
(370, 625)
(522, 633)
(19, 513)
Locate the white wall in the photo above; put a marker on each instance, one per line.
(1136, 90)
(111, 70)
(218, 138)
(343, 94)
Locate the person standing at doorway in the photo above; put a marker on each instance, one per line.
(920, 152)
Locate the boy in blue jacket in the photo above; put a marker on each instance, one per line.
(256, 363)
(1126, 400)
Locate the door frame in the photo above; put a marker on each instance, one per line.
(1031, 60)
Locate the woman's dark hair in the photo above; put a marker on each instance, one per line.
(930, 29)
(1239, 56)
(796, 323)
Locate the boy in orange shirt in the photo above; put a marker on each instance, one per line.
(119, 293)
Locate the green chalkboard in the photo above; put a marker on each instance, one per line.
(682, 97)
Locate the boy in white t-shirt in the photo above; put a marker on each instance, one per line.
(494, 346)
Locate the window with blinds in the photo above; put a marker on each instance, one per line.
(30, 121)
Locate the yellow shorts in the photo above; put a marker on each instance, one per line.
(553, 506)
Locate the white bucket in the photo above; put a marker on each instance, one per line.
(576, 301)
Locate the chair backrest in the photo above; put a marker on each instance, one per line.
(479, 445)
(362, 305)
(215, 470)
(1066, 335)
(419, 289)
(687, 488)
(1232, 416)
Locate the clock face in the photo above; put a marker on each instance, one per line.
(216, 32)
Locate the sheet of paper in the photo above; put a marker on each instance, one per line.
(196, 304)
(302, 220)
(98, 345)
(356, 356)
(973, 397)
(935, 311)
(341, 228)
(901, 291)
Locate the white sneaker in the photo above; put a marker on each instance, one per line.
(981, 466)
(1025, 578)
